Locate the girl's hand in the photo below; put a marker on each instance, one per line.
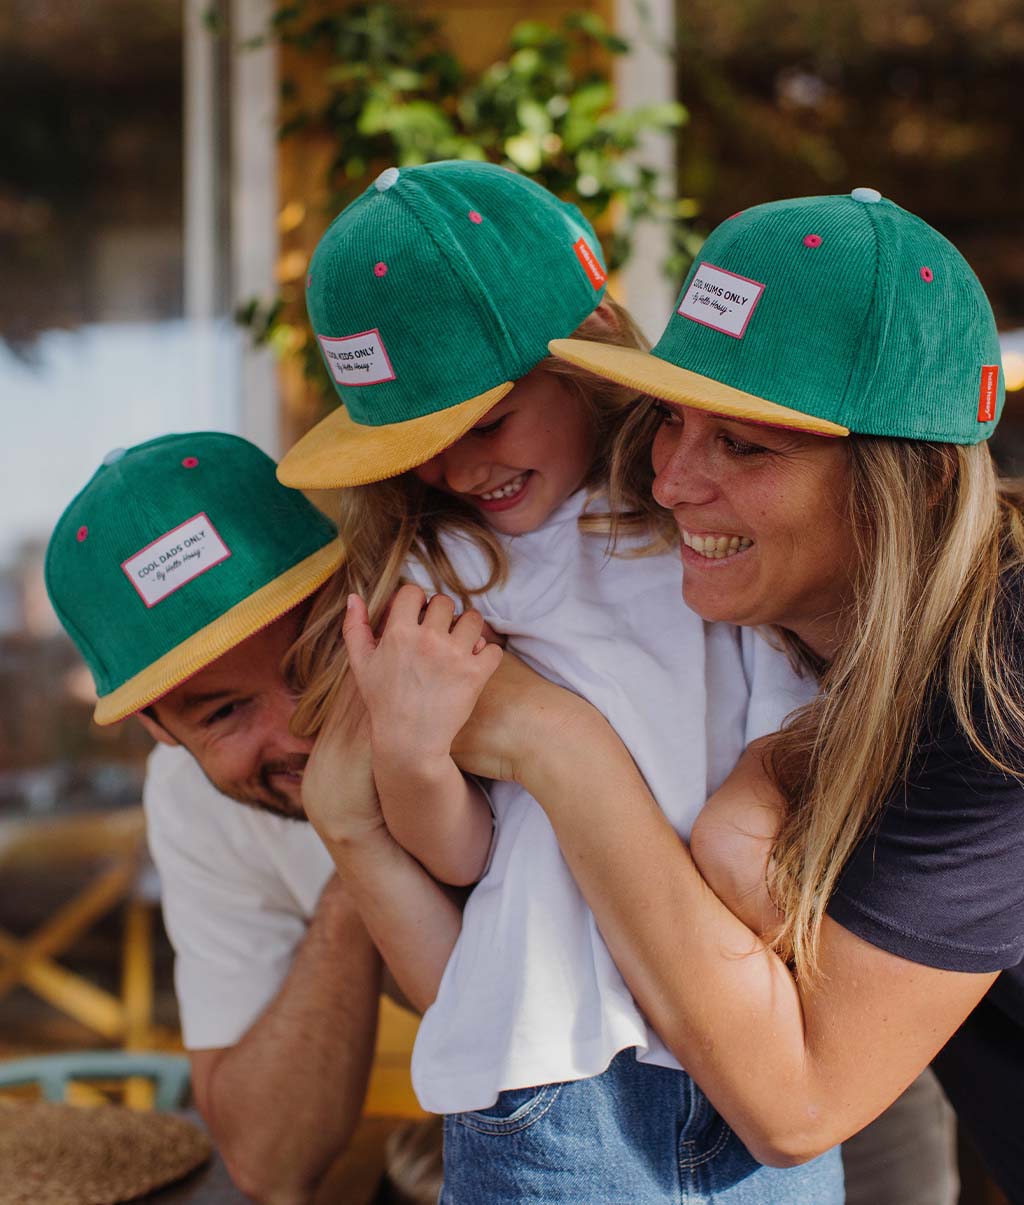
(422, 678)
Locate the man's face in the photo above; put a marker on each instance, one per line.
(233, 718)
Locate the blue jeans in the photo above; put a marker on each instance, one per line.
(634, 1135)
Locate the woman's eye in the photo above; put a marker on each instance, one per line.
(738, 447)
(489, 428)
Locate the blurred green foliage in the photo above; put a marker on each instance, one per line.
(395, 93)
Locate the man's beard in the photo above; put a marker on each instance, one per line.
(260, 792)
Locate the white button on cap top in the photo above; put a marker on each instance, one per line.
(114, 455)
(387, 179)
(869, 195)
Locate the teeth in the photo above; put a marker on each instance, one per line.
(716, 548)
(507, 490)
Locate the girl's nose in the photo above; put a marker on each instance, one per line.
(463, 472)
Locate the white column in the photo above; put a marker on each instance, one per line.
(200, 155)
(254, 88)
(647, 76)
(201, 262)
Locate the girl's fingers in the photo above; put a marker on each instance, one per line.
(468, 628)
(439, 613)
(406, 606)
(357, 633)
(490, 657)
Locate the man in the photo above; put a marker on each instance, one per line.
(182, 572)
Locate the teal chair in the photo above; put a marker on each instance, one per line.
(169, 1072)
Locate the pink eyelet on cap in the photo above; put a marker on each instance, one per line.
(83, 532)
(309, 280)
(189, 462)
(927, 275)
(475, 217)
(812, 240)
(380, 269)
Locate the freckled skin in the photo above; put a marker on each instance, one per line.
(540, 427)
(784, 490)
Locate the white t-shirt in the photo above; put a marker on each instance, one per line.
(530, 994)
(239, 888)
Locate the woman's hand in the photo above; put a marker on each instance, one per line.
(519, 718)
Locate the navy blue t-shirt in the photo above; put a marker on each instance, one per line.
(939, 880)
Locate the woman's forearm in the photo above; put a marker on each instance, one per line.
(669, 933)
(793, 1068)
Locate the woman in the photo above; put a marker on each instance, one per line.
(827, 384)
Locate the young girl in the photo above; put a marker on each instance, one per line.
(433, 296)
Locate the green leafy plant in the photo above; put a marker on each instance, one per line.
(394, 93)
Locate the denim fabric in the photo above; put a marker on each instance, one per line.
(635, 1135)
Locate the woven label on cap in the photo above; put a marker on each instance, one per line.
(358, 359)
(721, 299)
(591, 264)
(175, 559)
(989, 392)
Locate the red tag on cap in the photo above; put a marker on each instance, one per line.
(989, 391)
(591, 264)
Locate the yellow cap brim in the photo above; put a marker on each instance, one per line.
(340, 452)
(244, 619)
(646, 373)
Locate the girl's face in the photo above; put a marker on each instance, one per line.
(523, 459)
(763, 519)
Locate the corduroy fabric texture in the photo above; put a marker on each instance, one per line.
(176, 551)
(437, 286)
(858, 315)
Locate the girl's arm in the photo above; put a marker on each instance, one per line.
(793, 1067)
(419, 683)
(412, 919)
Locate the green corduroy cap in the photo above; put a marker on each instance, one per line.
(430, 296)
(176, 551)
(830, 315)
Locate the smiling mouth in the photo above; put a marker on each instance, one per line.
(505, 495)
(713, 547)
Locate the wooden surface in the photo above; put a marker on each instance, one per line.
(354, 1179)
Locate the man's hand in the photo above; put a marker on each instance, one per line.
(338, 791)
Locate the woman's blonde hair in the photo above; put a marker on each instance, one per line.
(935, 532)
(384, 524)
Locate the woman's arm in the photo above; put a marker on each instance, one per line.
(412, 919)
(793, 1067)
(731, 842)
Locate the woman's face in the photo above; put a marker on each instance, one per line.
(523, 459)
(762, 513)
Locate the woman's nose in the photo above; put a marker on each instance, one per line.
(682, 478)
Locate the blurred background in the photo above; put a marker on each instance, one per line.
(166, 169)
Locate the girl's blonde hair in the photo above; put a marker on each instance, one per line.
(384, 524)
(935, 535)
